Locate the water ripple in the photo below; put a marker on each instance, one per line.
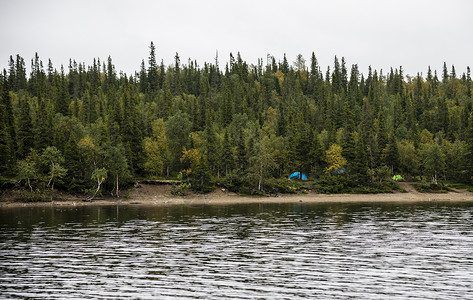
(238, 252)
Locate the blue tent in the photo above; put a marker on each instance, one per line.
(338, 171)
(298, 175)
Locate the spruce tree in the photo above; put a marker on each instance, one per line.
(316, 155)
(12, 82)
(445, 73)
(177, 75)
(4, 136)
(143, 78)
(227, 154)
(20, 74)
(391, 154)
(285, 65)
(348, 142)
(152, 69)
(468, 82)
(25, 129)
(359, 165)
(469, 146)
(6, 110)
(382, 138)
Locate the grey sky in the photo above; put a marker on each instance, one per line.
(383, 34)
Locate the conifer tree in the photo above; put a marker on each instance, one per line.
(382, 138)
(391, 154)
(7, 126)
(44, 127)
(25, 129)
(4, 136)
(20, 74)
(241, 152)
(227, 154)
(285, 65)
(316, 155)
(469, 147)
(359, 165)
(165, 104)
(152, 69)
(12, 82)
(344, 76)
(348, 142)
(468, 82)
(445, 73)
(143, 78)
(177, 75)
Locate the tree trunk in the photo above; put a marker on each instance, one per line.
(260, 177)
(52, 191)
(117, 185)
(99, 183)
(29, 184)
(434, 178)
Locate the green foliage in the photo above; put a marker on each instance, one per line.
(182, 188)
(409, 161)
(426, 187)
(178, 127)
(115, 162)
(433, 161)
(262, 161)
(52, 159)
(461, 186)
(332, 184)
(26, 170)
(342, 183)
(196, 171)
(99, 175)
(391, 154)
(29, 196)
(284, 186)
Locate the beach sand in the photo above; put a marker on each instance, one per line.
(160, 195)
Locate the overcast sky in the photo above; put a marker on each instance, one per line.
(383, 34)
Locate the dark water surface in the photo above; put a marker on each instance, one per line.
(254, 251)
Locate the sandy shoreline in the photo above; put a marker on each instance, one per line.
(149, 195)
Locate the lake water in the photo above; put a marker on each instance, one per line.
(254, 251)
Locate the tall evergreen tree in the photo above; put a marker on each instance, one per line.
(152, 69)
(8, 126)
(469, 148)
(445, 73)
(391, 154)
(177, 75)
(359, 165)
(143, 78)
(25, 129)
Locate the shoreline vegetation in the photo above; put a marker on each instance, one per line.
(90, 130)
(146, 194)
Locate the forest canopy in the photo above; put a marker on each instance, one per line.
(88, 128)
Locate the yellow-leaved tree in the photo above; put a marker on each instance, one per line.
(157, 149)
(335, 160)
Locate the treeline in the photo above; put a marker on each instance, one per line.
(90, 128)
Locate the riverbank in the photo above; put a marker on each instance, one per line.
(160, 195)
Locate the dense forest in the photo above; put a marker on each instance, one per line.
(90, 130)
